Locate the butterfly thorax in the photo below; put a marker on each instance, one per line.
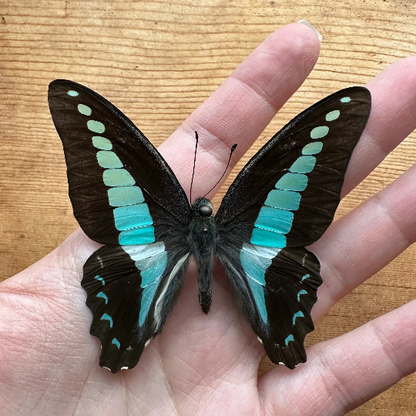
(202, 239)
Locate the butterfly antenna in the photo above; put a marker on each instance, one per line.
(193, 169)
(233, 147)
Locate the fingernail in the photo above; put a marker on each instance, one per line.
(306, 23)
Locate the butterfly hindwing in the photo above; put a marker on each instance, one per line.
(283, 200)
(130, 290)
(124, 195)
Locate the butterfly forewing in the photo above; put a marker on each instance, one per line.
(111, 164)
(283, 200)
(125, 195)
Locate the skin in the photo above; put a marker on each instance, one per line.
(208, 365)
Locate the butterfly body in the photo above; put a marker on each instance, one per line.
(126, 196)
(202, 242)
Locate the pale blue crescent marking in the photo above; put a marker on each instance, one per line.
(292, 182)
(116, 342)
(100, 279)
(118, 177)
(286, 200)
(73, 93)
(305, 277)
(132, 216)
(319, 132)
(151, 260)
(345, 99)
(332, 115)
(303, 164)
(103, 296)
(125, 195)
(312, 148)
(101, 143)
(300, 293)
(298, 314)
(255, 260)
(107, 317)
(95, 126)
(108, 160)
(288, 339)
(84, 110)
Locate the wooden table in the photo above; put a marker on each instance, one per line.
(158, 61)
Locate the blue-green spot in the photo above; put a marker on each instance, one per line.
(108, 160)
(84, 109)
(286, 200)
(73, 93)
(125, 195)
(255, 261)
(116, 342)
(255, 278)
(132, 216)
(108, 318)
(292, 182)
(275, 220)
(298, 314)
(254, 269)
(305, 277)
(300, 293)
(258, 294)
(345, 99)
(100, 279)
(303, 164)
(152, 268)
(101, 143)
(319, 132)
(332, 115)
(103, 296)
(118, 177)
(312, 148)
(288, 339)
(144, 235)
(267, 238)
(147, 299)
(95, 126)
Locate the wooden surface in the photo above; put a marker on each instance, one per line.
(157, 61)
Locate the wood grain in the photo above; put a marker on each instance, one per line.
(157, 61)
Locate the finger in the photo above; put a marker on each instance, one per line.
(363, 242)
(349, 370)
(262, 83)
(367, 239)
(393, 95)
(243, 105)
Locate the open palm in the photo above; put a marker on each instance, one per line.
(209, 364)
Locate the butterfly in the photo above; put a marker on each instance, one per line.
(126, 197)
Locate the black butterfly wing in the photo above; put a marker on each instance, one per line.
(283, 200)
(124, 195)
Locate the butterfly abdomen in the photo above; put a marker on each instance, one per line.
(202, 241)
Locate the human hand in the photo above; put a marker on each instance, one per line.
(209, 364)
